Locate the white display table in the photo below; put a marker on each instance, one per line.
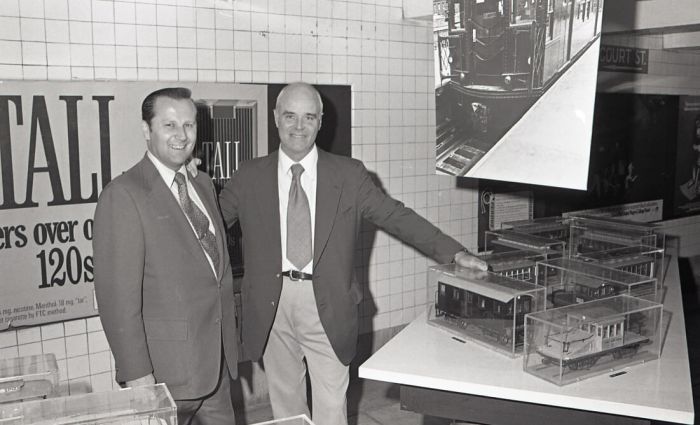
(441, 376)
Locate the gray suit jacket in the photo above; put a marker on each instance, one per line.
(345, 195)
(162, 308)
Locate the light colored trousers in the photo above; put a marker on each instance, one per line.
(297, 334)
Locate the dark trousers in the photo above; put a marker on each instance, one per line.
(214, 409)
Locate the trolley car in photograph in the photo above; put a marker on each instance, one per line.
(495, 58)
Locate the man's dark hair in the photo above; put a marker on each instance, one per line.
(170, 92)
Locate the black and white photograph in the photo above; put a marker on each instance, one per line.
(349, 212)
(515, 84)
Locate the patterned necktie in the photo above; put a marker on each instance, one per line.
(298, 222)
(199, 221)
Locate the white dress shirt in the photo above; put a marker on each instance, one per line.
(168, 176)
(308, 183)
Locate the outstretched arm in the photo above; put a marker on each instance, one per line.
(465, 259)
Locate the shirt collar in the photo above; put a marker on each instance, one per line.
(166, 172)
(308, 162)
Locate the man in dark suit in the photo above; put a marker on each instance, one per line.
(162, 272)
(300, 306)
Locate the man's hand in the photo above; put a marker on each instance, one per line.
(192, 166)
(465, 259)
(144, 380)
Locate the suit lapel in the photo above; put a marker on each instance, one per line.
(268, 203)
(328, 191)
(164, 204)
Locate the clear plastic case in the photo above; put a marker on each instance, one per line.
(497, 241)
(574, 281)
(147, 405)
(591, 234)
(296, 420)
(519, 264)
(482, 306)
(28, 377)
(577, 342)
(639, 259)
(547, 227)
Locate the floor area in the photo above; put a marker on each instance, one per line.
(377, 403)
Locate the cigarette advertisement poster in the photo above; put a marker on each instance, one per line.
(61, 143)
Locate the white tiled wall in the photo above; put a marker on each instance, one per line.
(367, 44)
(84, 360)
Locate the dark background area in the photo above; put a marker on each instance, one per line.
(633, 159)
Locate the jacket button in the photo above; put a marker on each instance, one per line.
(272, 303)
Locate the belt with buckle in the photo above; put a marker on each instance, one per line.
(296, 275)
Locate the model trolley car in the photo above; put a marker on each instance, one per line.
(581, 347)
(567, 344)
(483, 306)
(573, 281)
(638, 259)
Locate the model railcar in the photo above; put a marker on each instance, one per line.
(520, 265)
(581, 290)
(581, 346)
(635, 259)
(487, 310)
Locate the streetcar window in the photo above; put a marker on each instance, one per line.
(455, 295)
(599, 332)
(524, 306)
(550, 18)
(522, 10)
(442, 289)
(482, 302)
(565, 346)
(469, 297)
(457, 16)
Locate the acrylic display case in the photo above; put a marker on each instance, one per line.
(591, 234)
(518, 264)
(574, 281)
(640, 259)
(147, 405)
(556, 228)
(482, 306)
(577, 342)
(497, 241)
(28, 377)
(295, 420)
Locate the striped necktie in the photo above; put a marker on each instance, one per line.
(199, 221)
(298, 222)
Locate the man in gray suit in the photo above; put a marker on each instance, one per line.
(300, 296)
(162, 272)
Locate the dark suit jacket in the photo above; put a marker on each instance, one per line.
(345, 194)
(162, 309)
